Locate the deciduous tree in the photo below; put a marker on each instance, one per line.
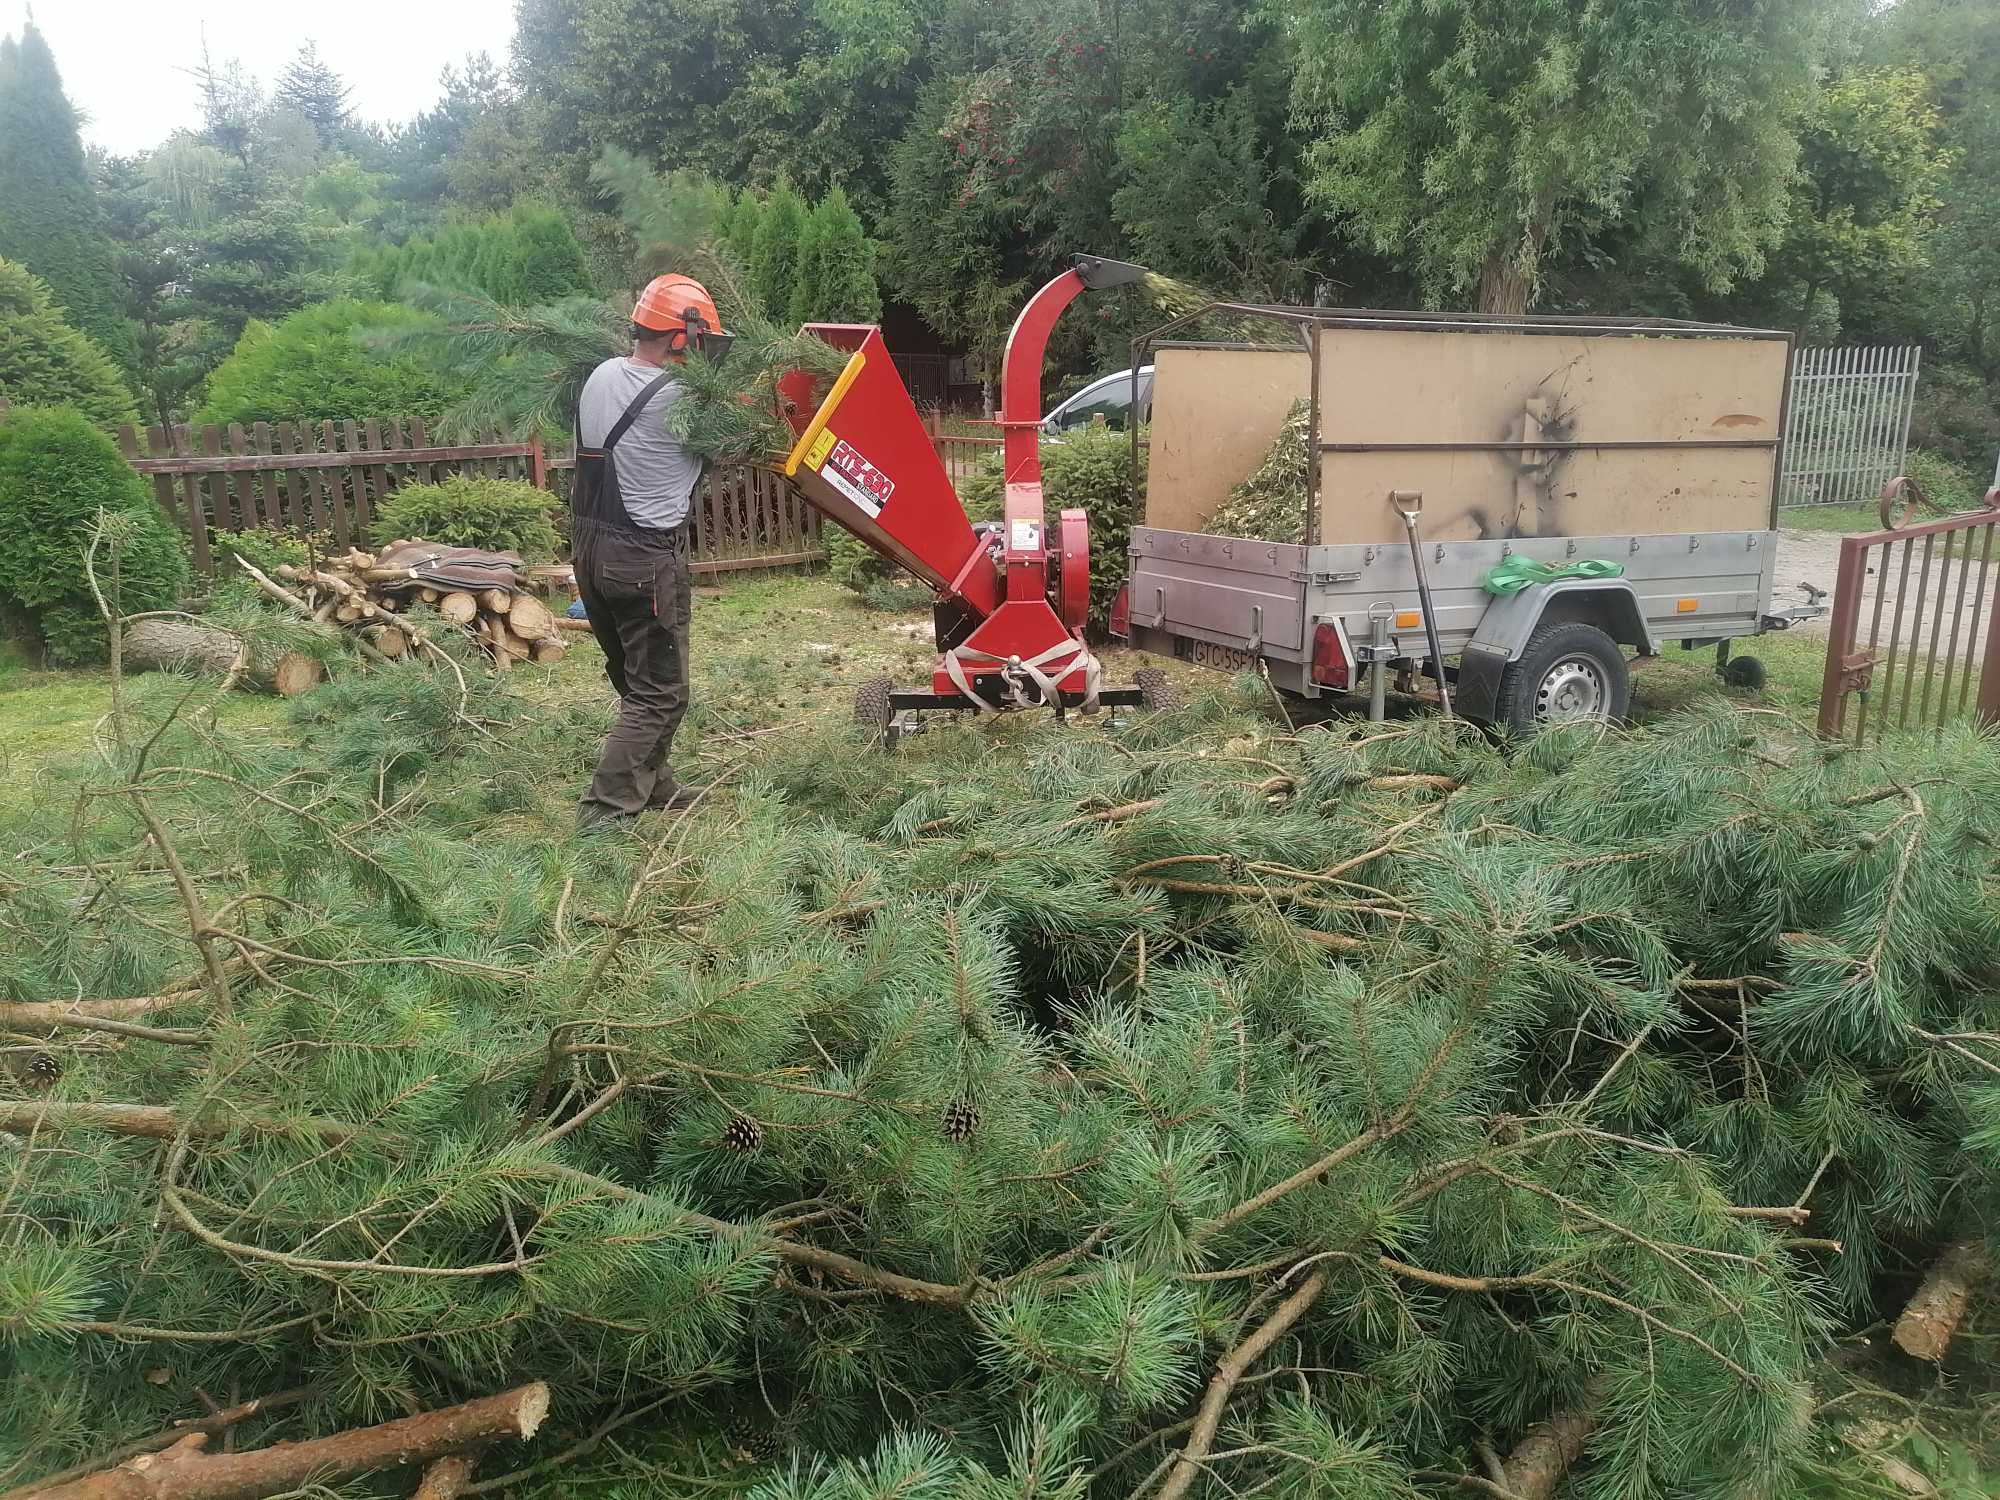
(1476, 136)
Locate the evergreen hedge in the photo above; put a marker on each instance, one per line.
(57, 472)
(470, 510)
(314, 366)
(45, 362)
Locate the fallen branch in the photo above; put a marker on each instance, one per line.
(185, 1471)
(27, 1015)
(157, 1122)
(1187, 1466)
(1548, 1451)
(1932, 1316)
(215, 1422)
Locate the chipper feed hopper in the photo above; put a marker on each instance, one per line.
(1011, 599)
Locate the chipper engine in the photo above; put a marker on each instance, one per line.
(1011, 599)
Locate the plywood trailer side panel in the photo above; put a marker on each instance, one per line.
(1216, 412)
(1690, 425)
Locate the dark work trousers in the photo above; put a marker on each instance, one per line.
(634, 583)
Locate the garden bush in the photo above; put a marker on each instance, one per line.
(263, 549)
(57, 472)
(313, 366)
(470, 510)
(1948, 484)
(45, 362)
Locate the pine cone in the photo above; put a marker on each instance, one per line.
(961, 1119)
(742, 1134)
(42, 1072)
(752, 1434)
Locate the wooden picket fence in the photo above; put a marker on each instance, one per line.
(327, 479)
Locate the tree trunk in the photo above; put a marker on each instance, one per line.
(1546, 1454)
(1502, 286)
(160, 645)
(186, 1472)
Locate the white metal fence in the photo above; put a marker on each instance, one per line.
(1848, 424)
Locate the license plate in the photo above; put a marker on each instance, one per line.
(1217, 658)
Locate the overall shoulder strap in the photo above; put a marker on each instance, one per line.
(631, 414)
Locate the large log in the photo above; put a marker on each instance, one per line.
(1932, 1316)
(530, 618)
(166, 645)
(496, 601)
(458, 607)
(186, 1471)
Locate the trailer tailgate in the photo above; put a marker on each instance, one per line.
(1230, 591)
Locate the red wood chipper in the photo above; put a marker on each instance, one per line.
(1011, 601)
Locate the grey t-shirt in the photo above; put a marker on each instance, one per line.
(656, 475)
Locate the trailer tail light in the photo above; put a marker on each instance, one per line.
(1121, 612)
(1330, 666)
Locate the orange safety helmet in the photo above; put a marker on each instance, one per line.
(676, 304)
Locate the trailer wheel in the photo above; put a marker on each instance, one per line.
(1745, 672)
(1157, 690)
(1570, 670)
(871, 706)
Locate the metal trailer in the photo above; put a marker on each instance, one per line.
(1651, 444)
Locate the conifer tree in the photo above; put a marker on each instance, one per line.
(45, 362)
(52, 222)
(744, 218)
(836, 282)
(774, 257)
(310, 86)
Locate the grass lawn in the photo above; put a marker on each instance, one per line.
(769, 651)
(1841, 518)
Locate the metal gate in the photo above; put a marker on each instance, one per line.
(1849, 423)
(1932, 627)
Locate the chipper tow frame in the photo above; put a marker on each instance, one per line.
(1009, 625)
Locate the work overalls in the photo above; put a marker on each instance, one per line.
(634, 582)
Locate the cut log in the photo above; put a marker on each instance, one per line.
(387, 639)
(429, 596)
(459, 608)
(348, 613)
(549, 652)
(494, 634)
(445, 1479)
(564, 622)
(1932, 1316)
(530, 618)
(187, 1472)
(496, 601)
(163, 645)
(511, 643)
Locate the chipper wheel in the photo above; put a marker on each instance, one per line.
(1158, 691)
(871, 706)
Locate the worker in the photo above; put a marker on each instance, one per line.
(629, 503)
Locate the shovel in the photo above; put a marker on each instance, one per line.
(1409, 504)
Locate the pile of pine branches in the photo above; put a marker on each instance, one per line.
(1187, 1107)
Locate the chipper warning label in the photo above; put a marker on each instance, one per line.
(847, 471)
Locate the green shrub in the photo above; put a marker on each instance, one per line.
(1948, 484)
(468, 510)
(264, 550)
(45, 362)
(524, 256)
(1089, 469)
(312, 367)
(56, 472)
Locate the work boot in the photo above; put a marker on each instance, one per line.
(679, 799)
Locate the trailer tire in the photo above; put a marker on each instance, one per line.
(872, 710)
(1569, 669)
(1158, 691)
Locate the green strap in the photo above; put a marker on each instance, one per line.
(1517, 573)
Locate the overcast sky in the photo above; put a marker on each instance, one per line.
(122, 61)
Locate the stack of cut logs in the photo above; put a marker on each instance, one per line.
(372, 593)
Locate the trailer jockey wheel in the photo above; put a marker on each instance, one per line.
(1745, 672)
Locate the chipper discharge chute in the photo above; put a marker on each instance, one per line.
(1011, 600)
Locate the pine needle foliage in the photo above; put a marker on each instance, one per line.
(936, 1127)
(526, 365)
